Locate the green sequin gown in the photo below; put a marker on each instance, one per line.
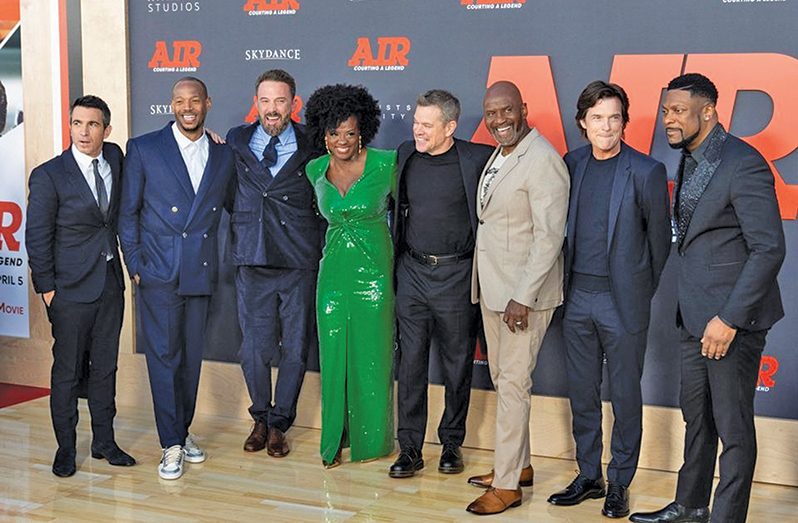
(355, 310)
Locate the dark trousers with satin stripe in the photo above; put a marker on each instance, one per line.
(86, 336)
(173, 337)
(276, 312)
(717, 400)
(434, 302)
(592, 330)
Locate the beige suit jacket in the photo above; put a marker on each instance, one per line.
(521, 229)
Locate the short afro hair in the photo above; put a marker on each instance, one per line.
(330, 105)
(697, 85)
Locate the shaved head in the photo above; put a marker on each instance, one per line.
(503, 88)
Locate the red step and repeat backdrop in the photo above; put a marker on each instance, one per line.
(551, 49)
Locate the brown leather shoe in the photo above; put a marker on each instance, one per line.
(495, 501)
(486, 480)
(257, 438)
(277, 446)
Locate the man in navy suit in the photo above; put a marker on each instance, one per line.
(731, 246)
(434, 231)
(70, 235)
(277, 236)
(617, 243)
(172, 196)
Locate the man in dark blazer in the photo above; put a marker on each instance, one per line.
(70, 236)
(172, 196)
(277, 236)
(618, 240)
(731, 246)
(434, 230)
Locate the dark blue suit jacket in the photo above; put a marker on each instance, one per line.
(66, 235)
(274, 221)
(639, 231)
(168, 234)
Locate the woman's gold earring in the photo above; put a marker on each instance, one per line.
(359, 145)
(326, 146)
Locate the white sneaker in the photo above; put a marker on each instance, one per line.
(171, 465)
(194, 454)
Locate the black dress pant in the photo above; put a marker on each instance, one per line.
(81, 332)
(592, 331)
(434, 303)
(717, 400)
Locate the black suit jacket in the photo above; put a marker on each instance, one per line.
(472, 157)
(639, 230)
(65, 232)
(274, 221)
(733, 247)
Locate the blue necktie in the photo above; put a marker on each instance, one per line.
(270, 153)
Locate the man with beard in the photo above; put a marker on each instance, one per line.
(618, 239)
(172, 195)
(276, 243)
(434, 231)
(731, 245)
(522, 202)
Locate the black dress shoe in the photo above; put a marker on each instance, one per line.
(112, 453)
(406, 465)
(451, 460)
(64, 462)
(673, 513)
(580, 489)
(617, 503)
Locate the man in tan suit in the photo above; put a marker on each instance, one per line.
(522, 206)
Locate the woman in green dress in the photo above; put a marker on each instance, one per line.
(355, 300)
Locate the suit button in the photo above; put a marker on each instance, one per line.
(204, 264)
(285, 197)
(214, 209)
(174, 209)
(246, 169)
(482, 222)
(185, 235)
(282, 222)
(205, 235)
(265, 194)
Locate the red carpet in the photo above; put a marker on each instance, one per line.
(12, 394)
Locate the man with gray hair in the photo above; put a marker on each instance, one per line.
(434, 228)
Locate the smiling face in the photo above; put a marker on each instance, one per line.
(431, 133)
(603, 125)
(275, 105)
(87, 130)
(687, 119)
(190, 103)
(505, 116)
(343, 141)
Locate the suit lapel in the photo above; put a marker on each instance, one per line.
(242, 145)
(111, 158)
(510, 162)
(480, 207)
(303, 151)
(622, 172)
(208, 176)
(173, 158)
(466, 168)
(579, 175)
(702, 176)
(78, 181)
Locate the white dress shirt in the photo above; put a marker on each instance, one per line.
(84, 163)
(194, 153)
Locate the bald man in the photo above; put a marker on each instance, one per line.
(522, 202)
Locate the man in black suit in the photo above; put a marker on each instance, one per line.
(731, 246)
(70, 235)
(277, 236)
(434, 229)
(618, 239)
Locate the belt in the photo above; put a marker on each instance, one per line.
(590, 283)
(440, 259)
